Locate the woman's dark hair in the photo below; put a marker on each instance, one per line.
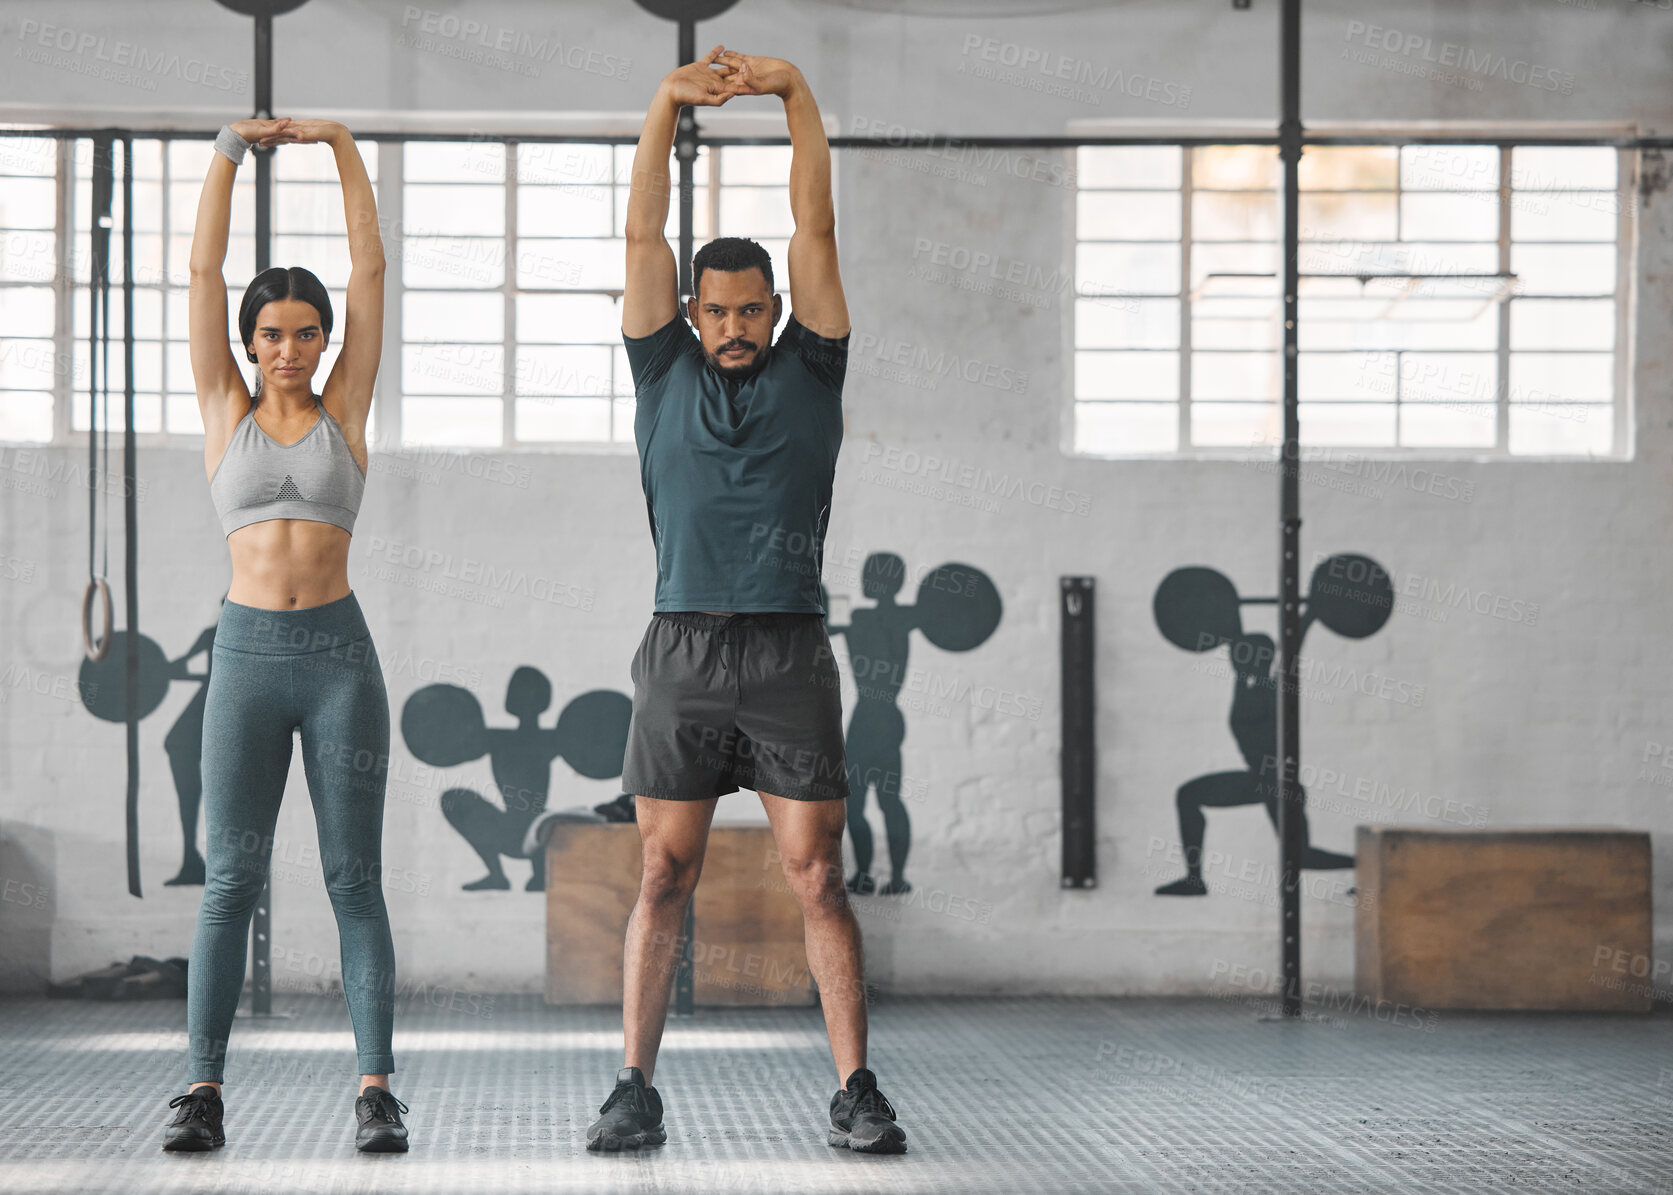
(730, 255)
(270, 286)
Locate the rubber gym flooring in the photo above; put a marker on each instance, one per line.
(1017, 1095)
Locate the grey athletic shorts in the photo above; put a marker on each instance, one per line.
(729, 701)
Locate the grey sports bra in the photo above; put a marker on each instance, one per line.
(316, 478)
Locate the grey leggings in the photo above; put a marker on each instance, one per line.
(274, 671)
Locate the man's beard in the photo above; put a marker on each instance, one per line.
(737, 373)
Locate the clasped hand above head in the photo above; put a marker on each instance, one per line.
(721, 74)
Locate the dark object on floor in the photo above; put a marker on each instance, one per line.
(140, 978)
(540, 830)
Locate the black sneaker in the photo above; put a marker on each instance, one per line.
(381, 1130)
(197, 1125)
(631, 1117)
(862, 1119)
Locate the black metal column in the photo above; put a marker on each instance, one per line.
(1079, 760)
(130, 513)
(685, 150)
(1289, 514)
(261, 925)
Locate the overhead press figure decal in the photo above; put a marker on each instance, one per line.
(1198, 609)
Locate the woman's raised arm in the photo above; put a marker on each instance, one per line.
(223, 396)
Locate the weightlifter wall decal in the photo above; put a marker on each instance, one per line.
(1198, 609)
(103, 691)
(444, 727)
(957, 609)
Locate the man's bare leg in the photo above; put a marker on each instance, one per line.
(809, 839)
(674, 835)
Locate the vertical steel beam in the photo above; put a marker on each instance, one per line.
(1289, 520)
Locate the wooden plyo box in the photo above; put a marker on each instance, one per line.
(747, 945)
(1554, 919)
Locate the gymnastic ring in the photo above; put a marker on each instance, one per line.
(95, 650)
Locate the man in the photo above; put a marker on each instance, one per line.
(735, 683)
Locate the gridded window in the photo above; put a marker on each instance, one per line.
(29, 366)
(513, 267)
(1453, 299)
(308, 230)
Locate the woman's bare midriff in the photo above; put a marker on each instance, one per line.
(288, 564)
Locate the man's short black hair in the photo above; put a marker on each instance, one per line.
(731, 254)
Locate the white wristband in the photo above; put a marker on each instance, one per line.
(231, 145)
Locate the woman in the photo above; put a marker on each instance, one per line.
(286, 471)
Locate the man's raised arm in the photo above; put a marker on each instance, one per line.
(649, 300)
(816, 298)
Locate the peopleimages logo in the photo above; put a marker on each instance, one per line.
(1464, 58)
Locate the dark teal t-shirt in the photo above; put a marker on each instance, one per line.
(738, 475)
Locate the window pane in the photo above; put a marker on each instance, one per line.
(453, 161)
(1127, 215)
(315, 163)
(579, 370)
(1449, 168)
(1349, 217)
(1463, 378)
(1127, 269)
(563, 419)
(30, 203)
(1453, 425)
(569, 163)
(1361, 376)
(455, 315)
(1570, 377)
(1380, 257)
(1350, 168)
(26, 256)
(184, 418)
(1364, 425)
(28, 155)
(564, 211)
(1583, 431)
(27, 311)
(477, 211)
(1128, 166)
(1564, 216)
(1235, 167)
(1234, 375)
(1234, 216)
(1126, 375)
(568, 319)
(1563, 269)
(309, 207)
(452, 422)
(1466, 216)
(1235, 323)
(327, 257)
(1546, 168)
(1126, 427)
(1235, 424)
(755, 212)
(1560, 324)
(621, 413)
(24, 415)
(453, 261)
(1136, 323)
(766, 165)
(452, 368)
(571, 264)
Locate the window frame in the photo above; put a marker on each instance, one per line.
(388, 393)
(1624, 297)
